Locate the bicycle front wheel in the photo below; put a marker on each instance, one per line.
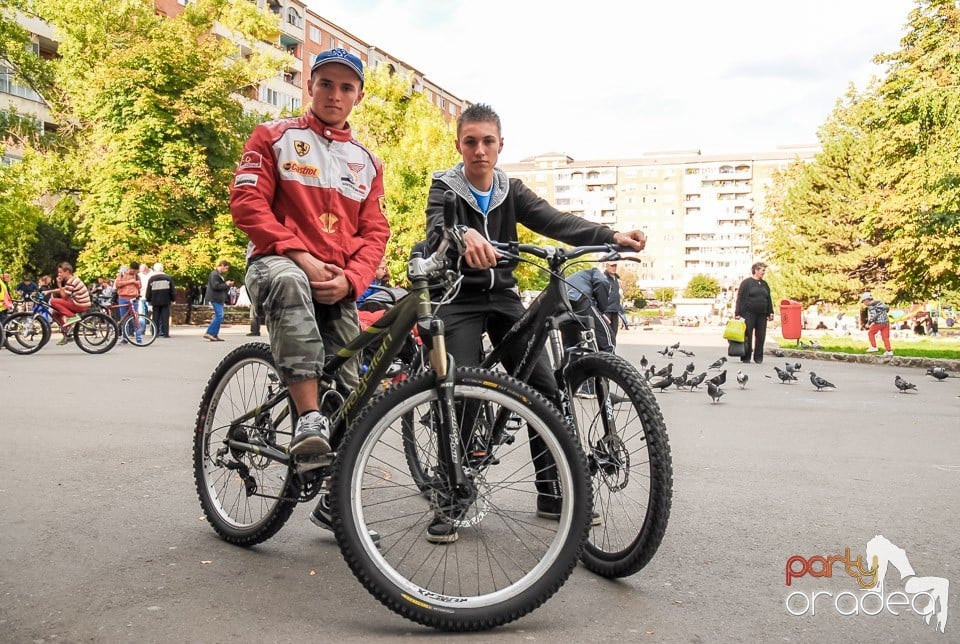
(26, 333)
(246, 497)
(139, 331)
(625, 439)
(95, 333)
(502, 561)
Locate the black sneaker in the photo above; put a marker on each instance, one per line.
(548, 507)
(322, 518)
(440, 531)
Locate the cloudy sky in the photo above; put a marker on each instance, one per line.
(603, 79)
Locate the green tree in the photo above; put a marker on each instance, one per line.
(879, 207)
(917, 206)
(702, 286)
(413, 140)
(664, 294)
(19, 217)
(155, 126)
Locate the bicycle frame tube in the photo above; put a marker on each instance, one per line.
(385, 330)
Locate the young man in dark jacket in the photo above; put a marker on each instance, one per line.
(491, 205)
(217, 288)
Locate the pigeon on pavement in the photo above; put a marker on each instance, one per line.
(784, 375)
(643, 361)
(662, 384)
(940, 373)
(689, 354)
(793, 367)
(720, 378)
(714, 391)
(778, 353)
(681, 380)
(695, 382)
(691, 368)
(718, 363)
(666, 372)
(742, 379)
(675, 345)
(820, 383)
(903, 385)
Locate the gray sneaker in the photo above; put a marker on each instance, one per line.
(312, 436)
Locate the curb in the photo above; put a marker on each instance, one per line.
(892, 361)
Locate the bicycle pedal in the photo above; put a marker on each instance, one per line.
(313, 462)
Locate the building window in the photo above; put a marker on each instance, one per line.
(315, 34)
(294, 18)
(8, 85)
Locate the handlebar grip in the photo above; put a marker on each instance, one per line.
(449, 209)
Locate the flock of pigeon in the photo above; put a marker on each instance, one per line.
(663, 379)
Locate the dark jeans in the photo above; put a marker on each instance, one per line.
(755, 336)
(161, 317)
(614, 323)
(465, 320)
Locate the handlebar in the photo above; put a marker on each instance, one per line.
(563, 255)
(451, 247)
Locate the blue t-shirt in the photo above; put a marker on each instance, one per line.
(483, 198)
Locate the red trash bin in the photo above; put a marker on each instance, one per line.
(791, 322)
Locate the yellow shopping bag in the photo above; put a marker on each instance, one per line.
(735, 331)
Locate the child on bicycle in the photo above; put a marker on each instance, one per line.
(309, 197)
(71, 299)
(491, 205)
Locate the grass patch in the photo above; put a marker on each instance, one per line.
(940, 348)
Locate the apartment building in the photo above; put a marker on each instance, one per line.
(698, 211)
(21, 97)
(303, 35)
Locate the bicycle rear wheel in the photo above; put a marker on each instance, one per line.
(139, 331)
(625, 439)
(26, 333)
(246, 497)
(95, 332)
(505, 561)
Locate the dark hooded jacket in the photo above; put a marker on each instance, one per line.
(511, 203)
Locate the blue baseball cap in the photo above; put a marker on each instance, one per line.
(341, 56)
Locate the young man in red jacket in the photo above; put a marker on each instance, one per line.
(309, 197)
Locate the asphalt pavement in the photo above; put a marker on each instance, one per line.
(103, 539)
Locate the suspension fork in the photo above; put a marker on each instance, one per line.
(449, 452)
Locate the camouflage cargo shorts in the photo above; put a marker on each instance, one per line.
(301, 332)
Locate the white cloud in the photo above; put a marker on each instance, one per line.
(607, 79)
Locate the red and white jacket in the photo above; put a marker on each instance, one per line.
(303, 185)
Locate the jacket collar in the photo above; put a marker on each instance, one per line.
(456, 180)
(326, 131)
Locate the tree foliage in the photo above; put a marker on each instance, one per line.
(879, 208)
(413, 140)
(150, 128)
(702, 286)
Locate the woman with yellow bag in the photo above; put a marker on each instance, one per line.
(755, 307)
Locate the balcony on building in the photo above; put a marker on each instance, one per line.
(727, 172)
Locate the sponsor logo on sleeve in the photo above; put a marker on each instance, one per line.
(250, 161)
(245, 180)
